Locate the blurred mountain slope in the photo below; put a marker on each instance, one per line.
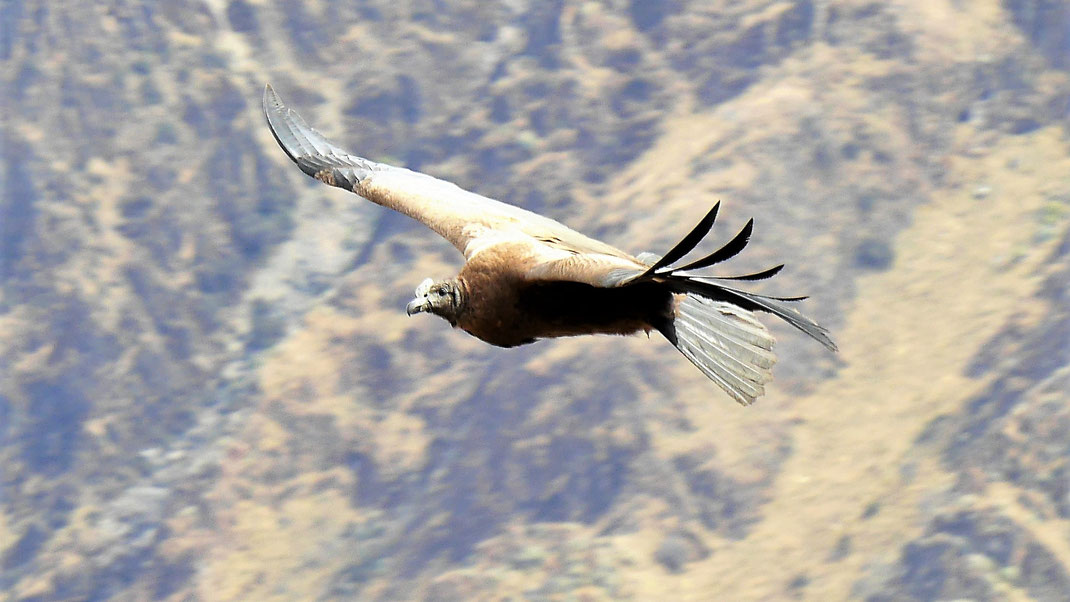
(210, 388)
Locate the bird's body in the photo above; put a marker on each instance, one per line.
(528, 277)
(505, 307)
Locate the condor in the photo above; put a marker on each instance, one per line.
(528, 277)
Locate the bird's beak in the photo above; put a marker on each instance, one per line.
(417, 305)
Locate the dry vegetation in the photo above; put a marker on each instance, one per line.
(210, 388)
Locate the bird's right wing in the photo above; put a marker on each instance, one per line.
(468, 220)
(607, 271)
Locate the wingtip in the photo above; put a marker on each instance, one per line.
(271, 99)
(274, 114)
(308, 148)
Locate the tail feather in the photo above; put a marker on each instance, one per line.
(748, 365)
(726, 343)
(740, 331)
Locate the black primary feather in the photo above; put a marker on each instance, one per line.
(762, 275)
(687, 243)
(705, 286)
(728, 251)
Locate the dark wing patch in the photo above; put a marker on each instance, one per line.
(709, 287)
(688, 242)
(762, 275)
(728, 251)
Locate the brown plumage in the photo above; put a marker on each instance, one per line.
(527, 277)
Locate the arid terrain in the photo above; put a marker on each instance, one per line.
(209, 388)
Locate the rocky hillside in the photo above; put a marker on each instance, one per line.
(210, 389)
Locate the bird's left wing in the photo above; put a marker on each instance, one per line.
(608, 271)
(468, 220)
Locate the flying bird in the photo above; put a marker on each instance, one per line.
(527, 277)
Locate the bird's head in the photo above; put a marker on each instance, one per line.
(444, 298)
